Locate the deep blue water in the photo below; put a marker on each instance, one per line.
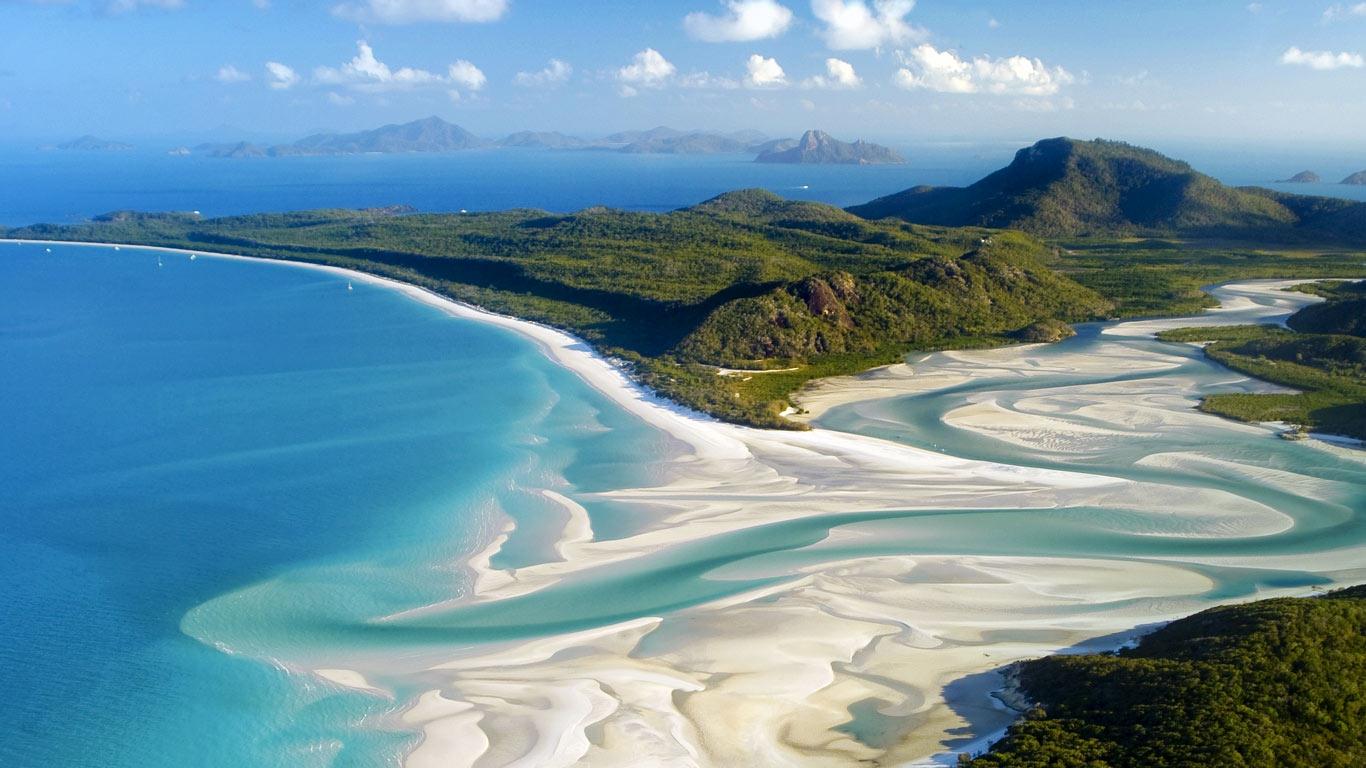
(171, 433)
(56, 186)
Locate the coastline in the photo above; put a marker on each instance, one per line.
(841, 623)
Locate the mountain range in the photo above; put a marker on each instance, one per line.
(1069, 188)
(433, 134)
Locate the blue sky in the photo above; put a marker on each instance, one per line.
(882, 69)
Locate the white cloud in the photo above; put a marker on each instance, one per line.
(992, 23)
(466, 75)
(943, 71)
(280, 76)
(761, 72)
(1322, 60)
(125, 6)
(852, 24)
(838, 74)
(554, 73)
(1340, 12)
(746, 20)
(649, 69)
(365, 72)
(700, 80)
(230, 74)
(340, 99)
(415, 11)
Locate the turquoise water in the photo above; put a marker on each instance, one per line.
(175, 432)
(221, 473)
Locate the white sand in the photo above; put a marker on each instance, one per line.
(767, 677)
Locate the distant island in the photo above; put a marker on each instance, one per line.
(1303, 177)
(1356, 179)
(90, 143)
(432, 134)
(819, 147)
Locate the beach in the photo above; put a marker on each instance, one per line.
(871, 640)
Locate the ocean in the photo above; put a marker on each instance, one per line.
(63, 187)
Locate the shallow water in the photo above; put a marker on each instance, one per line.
(221, 474)
(175, 432)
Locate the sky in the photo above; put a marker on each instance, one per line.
(901, 71)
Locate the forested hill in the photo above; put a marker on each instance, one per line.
(744, 280)
(1272, 684)
(1068, 188)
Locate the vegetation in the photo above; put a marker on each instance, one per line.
(1064, 188)
(1277, 684)
(746, 280)
(1329, 370)
(1153, 276)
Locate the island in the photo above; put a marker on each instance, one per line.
(90, 143)
(1071, 231)
(819, 147)
(1355, 179)
(1303, 177)
(432, 134)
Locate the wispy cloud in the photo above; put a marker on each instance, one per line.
(281, 77)
(419, 11)
(1344, 11)
(929, 68)
(555, 72)
(1322, 60)
(367, 74)
(230, 74)
(838, 74)
(745, 20)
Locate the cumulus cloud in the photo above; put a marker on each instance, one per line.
(928, 68)
(648, 68)
(853, 25)
(416, 11)
(838, 74)
(280, 77)
(761, 72)
(554, 73)
(365, 72)
(1322, 60)
(1341, 12)
(745, 20)
(466, 75)
(230, 74)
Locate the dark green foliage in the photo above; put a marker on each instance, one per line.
(1166, 277)
(1329, 370)
(1272, 684)
(1344, 312)
(1068, 188)
(744, 278)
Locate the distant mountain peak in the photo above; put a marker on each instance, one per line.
(1064, 187)
(818, 147)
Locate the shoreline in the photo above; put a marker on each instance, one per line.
(845, 624)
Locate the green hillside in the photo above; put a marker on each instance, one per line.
(1272, 684)
(1062, 188)
(744, 280)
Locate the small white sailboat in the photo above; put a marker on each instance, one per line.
(349, 287)
(159, 264)
(194, 256)
(117, 248)
(48, 250)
